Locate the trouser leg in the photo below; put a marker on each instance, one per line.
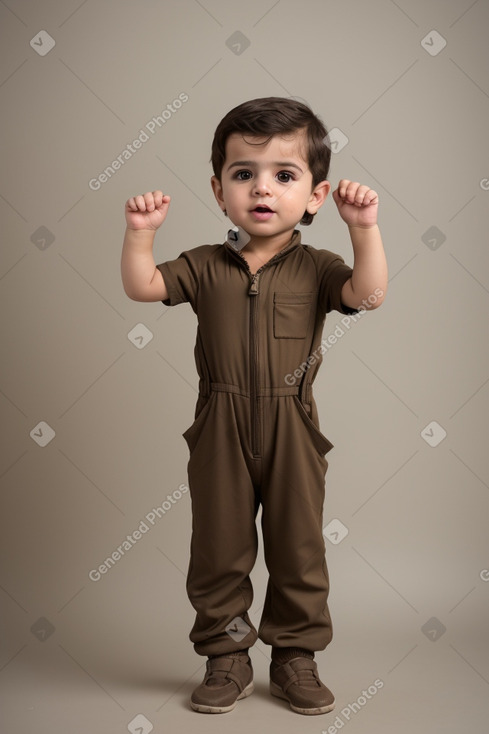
(224, 540)
(295, 613)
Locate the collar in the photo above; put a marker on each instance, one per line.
(294, 241)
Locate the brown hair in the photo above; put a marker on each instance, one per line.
(269, 116)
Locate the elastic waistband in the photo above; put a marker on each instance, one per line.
(261, 392)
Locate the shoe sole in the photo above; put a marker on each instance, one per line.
(203, 708)
(275, 690)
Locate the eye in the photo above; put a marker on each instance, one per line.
(242, 175)
(287, 174)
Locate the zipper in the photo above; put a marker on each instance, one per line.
(253, 340)
(253, 292)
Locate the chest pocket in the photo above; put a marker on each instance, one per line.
(291, 314)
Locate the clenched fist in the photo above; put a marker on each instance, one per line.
(147, 211)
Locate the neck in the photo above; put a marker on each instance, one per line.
(269, 245)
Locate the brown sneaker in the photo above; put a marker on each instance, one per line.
(228, 678)
(297, 681)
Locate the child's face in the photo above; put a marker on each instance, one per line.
(273, 174)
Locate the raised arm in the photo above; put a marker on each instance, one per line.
(358, 207)
(141, 278)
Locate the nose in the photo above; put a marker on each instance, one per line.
(262, 185)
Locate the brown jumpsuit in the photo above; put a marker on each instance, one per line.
(256, 439)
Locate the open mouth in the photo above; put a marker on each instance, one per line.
(262, 208)
(262, 213)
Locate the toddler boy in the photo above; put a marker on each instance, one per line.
(261, 299)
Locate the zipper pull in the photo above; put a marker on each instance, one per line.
(254, 285)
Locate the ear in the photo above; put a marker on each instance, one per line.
(217, 189)
(318, 197)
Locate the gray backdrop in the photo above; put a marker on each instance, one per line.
(96, 389)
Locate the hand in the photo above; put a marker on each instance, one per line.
(356, 204)
(147, 211)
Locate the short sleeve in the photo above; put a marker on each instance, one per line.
(333, 273)
(182, 275)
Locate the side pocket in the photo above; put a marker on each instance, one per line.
(192, 434)
(322, 444)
